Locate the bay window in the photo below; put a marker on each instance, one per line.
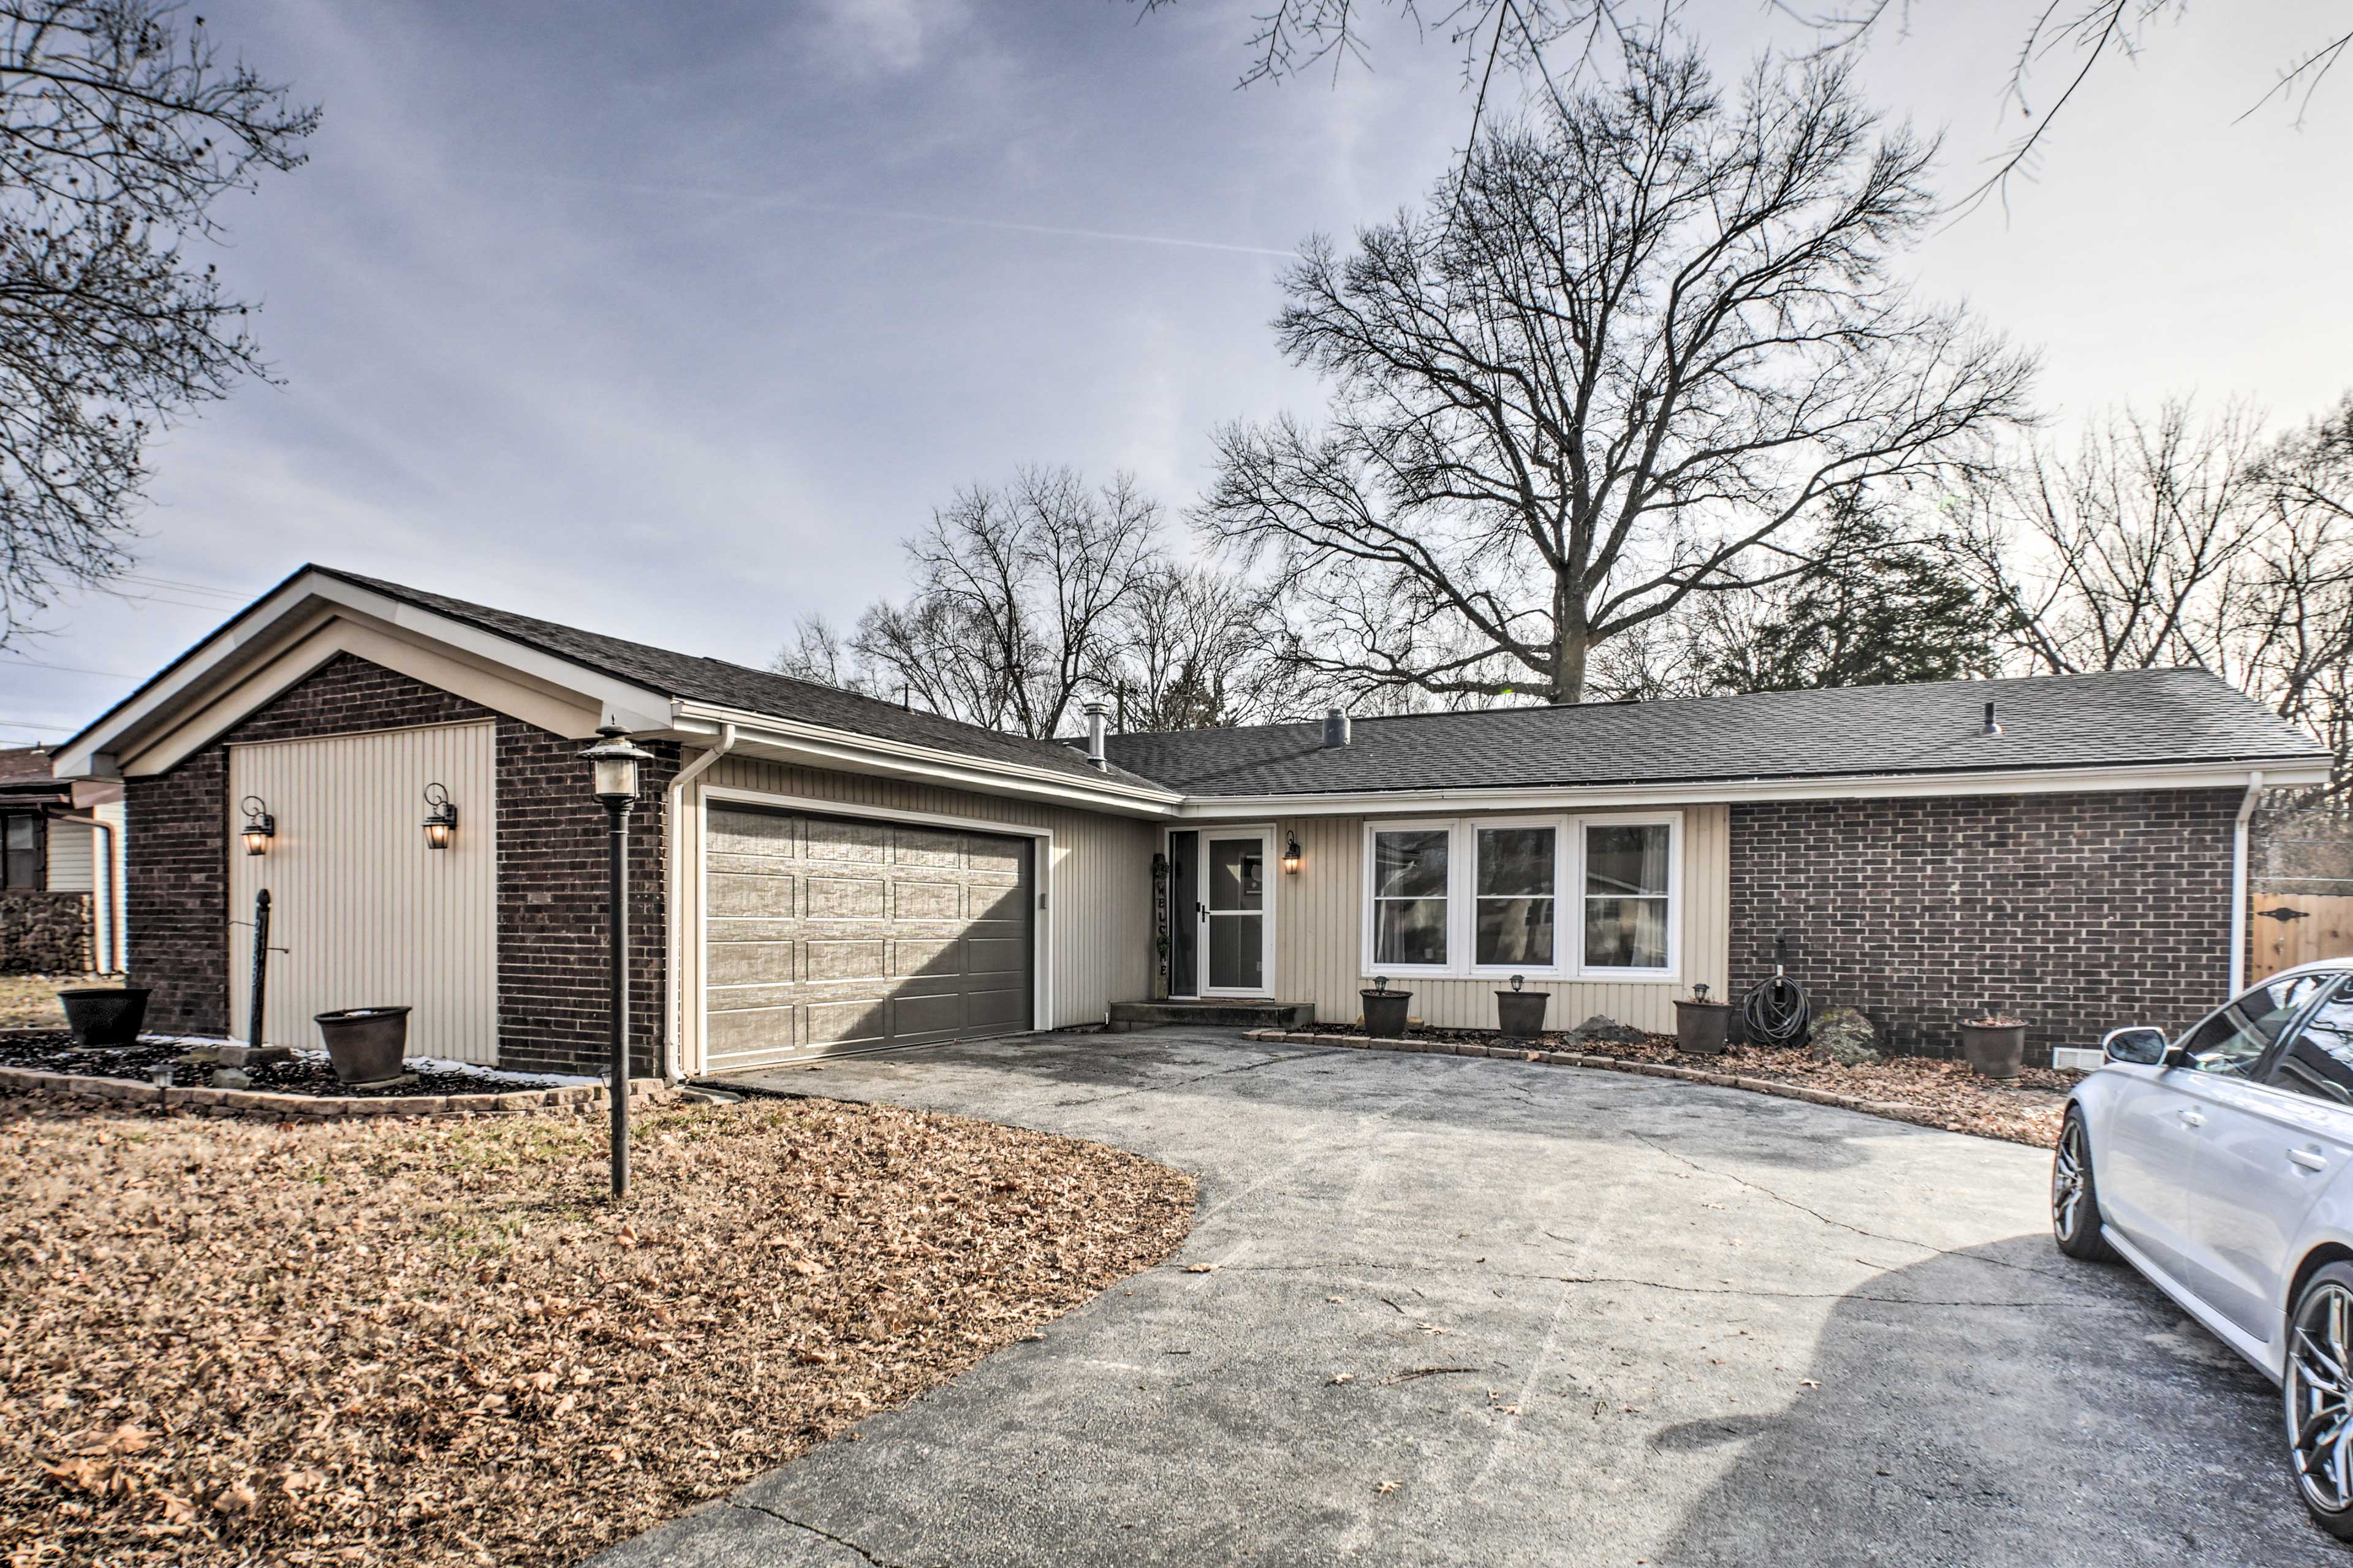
(1552, 898)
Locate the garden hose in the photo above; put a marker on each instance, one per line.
(1777, 1011)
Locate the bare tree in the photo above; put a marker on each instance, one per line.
(118, 132)
(1622, 350)
(1555, 41)
(2166, 540)
(1017, 589)
(1190, 651)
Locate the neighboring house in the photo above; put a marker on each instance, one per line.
(60, 869)
(816, 871)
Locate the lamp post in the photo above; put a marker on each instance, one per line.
(614, 761)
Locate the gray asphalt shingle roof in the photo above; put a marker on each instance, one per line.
(714, 681)
(2049, 721)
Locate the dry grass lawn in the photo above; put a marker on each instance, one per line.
(224, 1342)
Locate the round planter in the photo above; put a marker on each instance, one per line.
(1702, 1027)
(1385, 1013)
(1996, 1050)
(105, 1014)
(366, 1044)
(1520, 1014)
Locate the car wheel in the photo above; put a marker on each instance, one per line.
(2318, 1390)
(2075, 1195)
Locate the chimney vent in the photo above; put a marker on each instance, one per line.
(1096, 713)
(1335, 728)
(1990, 727)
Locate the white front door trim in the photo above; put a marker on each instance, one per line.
(1267, 877)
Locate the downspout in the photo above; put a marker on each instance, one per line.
(2239, 882)
(673, 1010)
(104, 886)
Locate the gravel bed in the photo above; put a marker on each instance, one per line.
(438, 1342)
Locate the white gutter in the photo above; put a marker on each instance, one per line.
(674, 1009)
(2239, 882)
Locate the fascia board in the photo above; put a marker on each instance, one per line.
(842, 751)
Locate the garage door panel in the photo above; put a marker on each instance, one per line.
(768, 897)
(751, 964)
(891, 933)
(845, 898)
(912, 956)
(926, 901)
(848, 1023)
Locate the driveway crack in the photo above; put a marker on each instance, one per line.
(1682, 1159)
(826, 1534)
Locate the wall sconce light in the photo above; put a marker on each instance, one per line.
(259, 826)
(442, 820)
(1291, 856)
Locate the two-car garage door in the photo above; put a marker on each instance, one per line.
(829, 934)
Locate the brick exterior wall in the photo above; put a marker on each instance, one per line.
(2079, 912)
(551, 871)
(45, 932)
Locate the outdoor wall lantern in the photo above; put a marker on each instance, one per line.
(440, 822)
(1291, 856)
(259, 826)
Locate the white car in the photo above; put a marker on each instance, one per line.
(2214, 1164)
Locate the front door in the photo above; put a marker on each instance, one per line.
(1184, 913)
(1234, 912)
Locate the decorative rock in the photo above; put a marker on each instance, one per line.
(1607, 1030)
(1842, 1034)
(231, 1077)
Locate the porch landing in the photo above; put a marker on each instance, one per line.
(1224, 1012)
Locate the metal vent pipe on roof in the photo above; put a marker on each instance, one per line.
(1096, 711)
(1990, 727)
(1335, 728)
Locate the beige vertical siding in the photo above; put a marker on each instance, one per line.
(1095, 933)
(71, 862)
(1319, 935)
(369, 914)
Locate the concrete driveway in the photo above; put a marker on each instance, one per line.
(1471, 1312)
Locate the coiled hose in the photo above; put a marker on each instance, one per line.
(1777, 1011)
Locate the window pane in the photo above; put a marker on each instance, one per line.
(1515, 931)
(2319, 1061)
(1409, 865)
(1626, 859)
(1237, 874)
(1626, 933)
(1516, 860)
(1409, 931)
(2234, 1039)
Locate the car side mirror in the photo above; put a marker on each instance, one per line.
(2139, 1045)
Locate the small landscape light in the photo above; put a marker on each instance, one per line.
(259, 826)
(1291, 856)
(1518, 980)
(441, 821)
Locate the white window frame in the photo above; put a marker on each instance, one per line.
(1568, 889)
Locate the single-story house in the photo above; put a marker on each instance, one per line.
(61, 864)
(816, 871)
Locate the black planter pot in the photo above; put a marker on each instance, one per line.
(1520, 1014)
(1702, 1027)
(105, 1014)
(1385, 1013)
(366, 1044)
(1996, 1050)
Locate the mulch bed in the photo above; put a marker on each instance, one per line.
(56, 1052)
(2025, 1109)
(436, 1342)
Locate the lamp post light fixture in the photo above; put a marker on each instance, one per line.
(1291, 856)
(441, 821)
(259, 826)
(613, 761)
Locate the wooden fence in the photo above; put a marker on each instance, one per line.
(2288, 929)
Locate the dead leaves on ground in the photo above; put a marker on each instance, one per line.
(434, 1344)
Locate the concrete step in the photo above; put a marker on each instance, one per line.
(1244, 1013)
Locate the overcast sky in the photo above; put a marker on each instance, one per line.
(672, 320)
